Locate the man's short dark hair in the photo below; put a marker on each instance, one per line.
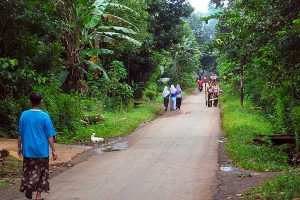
(36, 98)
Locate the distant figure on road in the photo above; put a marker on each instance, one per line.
(200, 86)
(213, 77)
(36, 132)
(173, 98)
(213, 93)
(178, 97)
(166, 95)
(205, 86)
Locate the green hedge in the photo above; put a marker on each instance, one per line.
(65, 111)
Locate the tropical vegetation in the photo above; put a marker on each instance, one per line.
(83, 54)
(257, 49)
(258, 55)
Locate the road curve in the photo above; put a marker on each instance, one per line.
(173, 157)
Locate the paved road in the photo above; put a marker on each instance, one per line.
(173, 157)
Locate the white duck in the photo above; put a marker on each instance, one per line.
(96, 139)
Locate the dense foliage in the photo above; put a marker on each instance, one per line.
(258, 53)
(110, 51)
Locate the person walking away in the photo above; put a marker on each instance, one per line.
(166, 95)
(215, 93)
(213, 77)
(173, 98)
(36, 133)
(205, 86)
(178, 97)
(200, 85)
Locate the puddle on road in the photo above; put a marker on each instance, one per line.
(230, 169)
(119, 146)
(116, 145)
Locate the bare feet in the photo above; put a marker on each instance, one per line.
(39, 196)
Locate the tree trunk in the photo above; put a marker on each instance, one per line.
(74, 65)
(72, 81)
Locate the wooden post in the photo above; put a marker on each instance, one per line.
(242, 81)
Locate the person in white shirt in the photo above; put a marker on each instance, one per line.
(166, 95)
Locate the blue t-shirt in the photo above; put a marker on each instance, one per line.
(35, 127)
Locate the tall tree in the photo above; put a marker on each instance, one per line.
(86, 30)
(166, 20)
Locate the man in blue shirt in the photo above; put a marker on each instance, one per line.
(36, 133)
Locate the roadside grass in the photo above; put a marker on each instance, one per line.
(10, 170)
(241, 125)
(283, 187)
(115, 124)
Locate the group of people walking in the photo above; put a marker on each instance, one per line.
(211, 89)
(174, 96)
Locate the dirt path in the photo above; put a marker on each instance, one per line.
(66, 152)
(173, 157)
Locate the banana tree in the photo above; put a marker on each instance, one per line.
(86, 30)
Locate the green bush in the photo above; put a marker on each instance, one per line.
(113, 92)
(9, 117)
(16, 81)
(116, 92)
(186, 80)
(10, 111)
(150, 94)
(65, 110)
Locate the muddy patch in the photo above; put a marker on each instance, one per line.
(119, 144)
(232, 181)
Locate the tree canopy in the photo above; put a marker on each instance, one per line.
(109, 50)
(258, 42)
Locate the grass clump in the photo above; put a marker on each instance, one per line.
(241, 125)
(114, 124)
(10, 169)
(283, 187)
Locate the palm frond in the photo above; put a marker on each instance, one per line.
(122, 36)
(91, 52)
(117, 28)
(123, 7)
(97, 10)
(97, 66)
(115, 19)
